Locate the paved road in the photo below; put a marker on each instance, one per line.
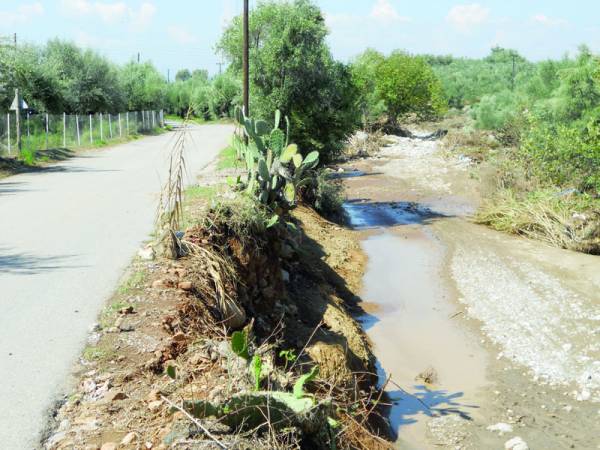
(65, 238)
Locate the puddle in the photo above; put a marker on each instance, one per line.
(412, 328)
(347, 174)
(367, 214)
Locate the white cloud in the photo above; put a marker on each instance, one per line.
(466, 17)
(22, 14)
(112, 12)
(543, 19)
(181, 35)
(384, 11)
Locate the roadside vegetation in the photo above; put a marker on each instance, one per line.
(536, 125)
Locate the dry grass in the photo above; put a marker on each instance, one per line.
(570, 222)
(365, 144)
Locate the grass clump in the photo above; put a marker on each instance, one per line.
(570, 221)
(228, 158)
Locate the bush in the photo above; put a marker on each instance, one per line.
(328, 196)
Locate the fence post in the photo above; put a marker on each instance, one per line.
(110, 126)
(64, 130)
(47, 125)
(153, 119)
(127, 120)
(8, 128)
(18, 120)
(101, 133)
(91, 132)
(120, 129)
(77, 126)
(28, 134)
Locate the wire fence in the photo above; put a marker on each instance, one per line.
(48, 131)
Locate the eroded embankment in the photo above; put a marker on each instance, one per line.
(163, 341)
(526, 315)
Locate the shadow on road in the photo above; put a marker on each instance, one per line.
(26, 264)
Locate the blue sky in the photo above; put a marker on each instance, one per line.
(182, 33)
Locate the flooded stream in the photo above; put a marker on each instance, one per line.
(412, 323)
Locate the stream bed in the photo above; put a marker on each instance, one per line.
(437, 367)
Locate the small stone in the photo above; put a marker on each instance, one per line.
(126, 310)
(584, 395)
(129, 438)
(94, 327)
(179, 337)
(501, 428)
(516, 443)
(109, 446)
(147, 253)
(114, 396)
(159, 284)
(285, 275)
(155, 405)
(154, 395)
(185, 285)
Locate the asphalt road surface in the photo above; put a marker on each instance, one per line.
(66, 236)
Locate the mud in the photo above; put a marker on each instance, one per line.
(510, 326)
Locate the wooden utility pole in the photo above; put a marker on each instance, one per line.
(15, 38)
(18, 117)
(246, 63)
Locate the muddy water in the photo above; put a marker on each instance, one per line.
(412, 327)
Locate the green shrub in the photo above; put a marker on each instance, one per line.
(293, 71)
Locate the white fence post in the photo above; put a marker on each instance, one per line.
(8, 128)
(120, 129)
(127, 120)
(110, 126)
(64, 130)
(77, 127)
(101, 133)
(47, 125)
(91, 131)
(153, 119)
(28, 133)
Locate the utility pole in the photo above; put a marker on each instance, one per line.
(138, 57)
(246, 63)
(514, 71)
(15, 39)
(220, 64)
(168, 76)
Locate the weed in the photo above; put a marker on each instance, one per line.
(228, 158)
(133, 282)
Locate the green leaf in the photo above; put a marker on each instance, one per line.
(311, 160)
(262, 128)
(289, 192)
(277, 141)
(277, 118)
(297, 160)
(292, 226)
(272, 221)
(333, 423)
(239, 344)
(256, 371)
(289, 153)
(171, 371)
(299, 385)
(263, 171)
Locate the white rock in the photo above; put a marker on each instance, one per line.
(146, 253)
(584, 395)
(516, 443)
(285, 275)
(501, 428)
